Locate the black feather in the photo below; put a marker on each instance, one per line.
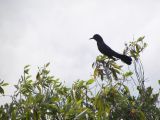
(106, 50)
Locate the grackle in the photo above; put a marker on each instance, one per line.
(106, 50)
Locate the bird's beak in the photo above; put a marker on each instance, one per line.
(91, 38)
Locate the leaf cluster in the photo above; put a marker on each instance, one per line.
(105, 96)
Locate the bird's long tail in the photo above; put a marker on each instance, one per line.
(124, 58)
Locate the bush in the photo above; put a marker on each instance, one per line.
(106, 96)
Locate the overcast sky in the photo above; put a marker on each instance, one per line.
(39, 31)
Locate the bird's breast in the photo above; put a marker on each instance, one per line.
(106, 50)
(101, 47)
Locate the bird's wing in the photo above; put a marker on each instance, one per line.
(106, 50)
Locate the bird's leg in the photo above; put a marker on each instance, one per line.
(117, 59)
(112, 58)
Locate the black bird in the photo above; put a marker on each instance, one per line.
(106, 50)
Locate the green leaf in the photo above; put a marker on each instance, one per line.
(90, 81)
(26, 66)
(159, 82)
(39, 88)
(55, 99)
(142, 116)
(145, 45)
(81, 83)
(13, 114)
(39, 98)
(28, 115)
(47, 64)
(133, 54)
(1, 90)
(93, 65)
(29, 76)
(114, 73)
(5, 84)
(127, 74)
(38, 77)
(140, 39)
(126, 89)
(16, 86)
(26, 71)
(79, 102)
(138, 48)
(116, 66)
(96, 73)
(29, 81)
(46, 71)
(1, 82)
(52, 106)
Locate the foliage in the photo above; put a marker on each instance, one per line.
(103, 97)
(2, 84)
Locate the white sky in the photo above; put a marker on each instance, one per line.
(39, 31)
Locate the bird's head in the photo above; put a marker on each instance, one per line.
(97, 37)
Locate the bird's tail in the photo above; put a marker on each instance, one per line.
(125, 58)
